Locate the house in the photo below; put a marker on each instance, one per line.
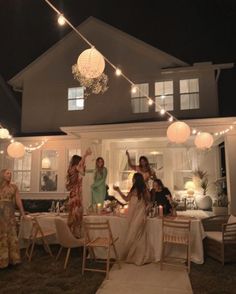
(53, 102)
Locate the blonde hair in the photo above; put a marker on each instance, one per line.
(2, 172)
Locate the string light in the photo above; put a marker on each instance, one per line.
(162, 111)
(118, 72)
(194, 131)
(61, 20)
(30, 148)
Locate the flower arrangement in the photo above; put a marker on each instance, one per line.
(203, 176)
(92, 86)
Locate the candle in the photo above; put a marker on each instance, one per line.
(99, 206)
(126, 208)
(160, 210)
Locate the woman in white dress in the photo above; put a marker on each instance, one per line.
(136, 248)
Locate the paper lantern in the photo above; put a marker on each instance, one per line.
(91, 63)
(16, 150)
(46, 163)
(4, 133)
(203, 140)
(178, 132)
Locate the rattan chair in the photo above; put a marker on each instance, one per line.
(220, 242)
(99, 234)
(36, 234)
(66, 239)
(176, 232)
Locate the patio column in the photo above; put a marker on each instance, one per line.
(230, 157)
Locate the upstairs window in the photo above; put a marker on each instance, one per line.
(76, 98)
(164, 95)
(22, 172)
(139, 102)
(189, 94)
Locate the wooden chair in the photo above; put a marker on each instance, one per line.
(66, 239)
(36, 234)
(220, 242)
(91, 231)
(175, 232)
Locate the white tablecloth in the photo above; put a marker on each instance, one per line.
(154, 228)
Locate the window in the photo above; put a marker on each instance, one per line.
(164, 95)
(72, 152)
(22, 172)
(76, 98)
(189, 94)
(138, 99)
(49, 170)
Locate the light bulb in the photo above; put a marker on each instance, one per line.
(150, 102)
(134, 89)
(118, 72)
(162, 111)
(170, 118)
(194, 131)
(61, 20)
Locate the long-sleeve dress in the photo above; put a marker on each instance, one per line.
(74, 186)
(9, 245)
(137, 249)
(99, 186)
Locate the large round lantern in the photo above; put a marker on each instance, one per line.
(178, 132)
(4, 133)
(16, 150)
(91, 63)
(203, 140)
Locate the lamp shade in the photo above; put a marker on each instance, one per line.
(4, 133)
(189, 185)
(178, 132)
(16, 150)
(91, 63)
(46, 163)
(203, 140)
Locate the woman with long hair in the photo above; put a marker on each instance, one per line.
(143, 168)
(160, 195)
(99, 185)
(136, 247)
(9, 196)
(75, 174)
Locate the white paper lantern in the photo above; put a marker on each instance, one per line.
(16, 150)
(91, 63)
(46, 163)
(178, 132)
(204, 140)
(4, 133)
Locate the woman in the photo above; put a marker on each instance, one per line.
(75, 174)
(9, 196)
(143, 168)
(136, 249)
(160, 195)
(99, 185)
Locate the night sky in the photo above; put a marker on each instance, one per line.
(193, 31)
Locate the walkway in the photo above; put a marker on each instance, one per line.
(147, 279)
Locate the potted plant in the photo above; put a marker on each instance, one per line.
(203, 201)
(220, 204)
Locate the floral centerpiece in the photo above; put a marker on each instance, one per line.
(92, 86)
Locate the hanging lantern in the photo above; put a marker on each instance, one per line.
(46, 163)
(178, 132)
(203, 140)
(91, 63)
(16, 150)
(4, 133)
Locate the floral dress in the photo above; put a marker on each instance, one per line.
(9, 245)
(75, 206)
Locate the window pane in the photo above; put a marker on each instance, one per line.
(143, 105)
(139, 105)
(164, 88)
(193, 85)
(77, 92)
(184, 101)
(184, 86)
(159, 88)
(142, 90)
(80, 104)
(166, 103)
(22, 180)
(189, 101)
(48, 181)
(189, 86)
(49, 160)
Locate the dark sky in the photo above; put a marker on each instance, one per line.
(194, 31)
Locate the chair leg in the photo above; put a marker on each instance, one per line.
(223, 254)
(84, 259)
(47, 246)
(67, 258)
(116, 255)
(31, 250)
(108, 262)
(189, 257)
(59, 253)
(162, 256)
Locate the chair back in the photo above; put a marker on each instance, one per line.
(101, 229)
(64, 235)
(36, 229)
(176, 230)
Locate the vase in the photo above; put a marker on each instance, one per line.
(203, 202)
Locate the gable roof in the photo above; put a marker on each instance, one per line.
(163, 59)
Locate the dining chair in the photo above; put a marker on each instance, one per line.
(99, 234)
(66, 239)
(176, 232)
(36, 234)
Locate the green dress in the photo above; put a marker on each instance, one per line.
(99, 186)
(9, 245)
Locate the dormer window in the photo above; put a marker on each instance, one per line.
(138, 98)
(189, 94)
(76, 98)
(164, 92)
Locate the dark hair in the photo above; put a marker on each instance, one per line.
(147, 164)
(75, 159)
(159, 183)
(139, 185)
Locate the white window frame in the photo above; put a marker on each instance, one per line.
(76, 98)
(20, 185)
(139, 98)
(160, 98)
(190, 95)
